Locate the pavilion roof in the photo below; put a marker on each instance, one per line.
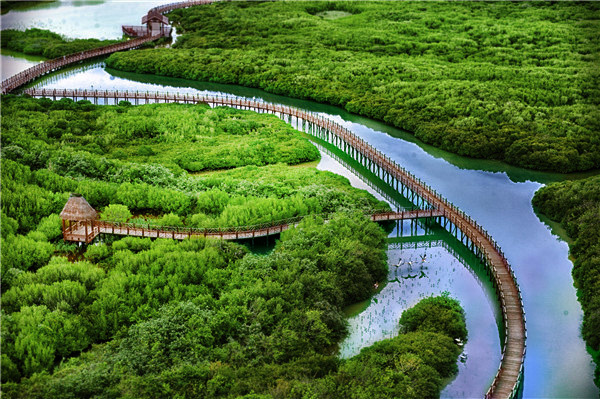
(77, 208)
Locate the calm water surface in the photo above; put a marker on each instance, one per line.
(424, 262)
(13, 63)
(496, 195)
(81, 19)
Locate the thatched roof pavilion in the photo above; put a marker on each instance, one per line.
(78, 209)
(79, 220)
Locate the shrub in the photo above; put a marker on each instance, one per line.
(116, 213)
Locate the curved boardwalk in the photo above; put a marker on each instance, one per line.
(508, 378)
(180, 4)
(45, 67)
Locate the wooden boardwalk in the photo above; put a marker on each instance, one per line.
(78, 233)
(45, 67)
(179, 4)
(510, 371)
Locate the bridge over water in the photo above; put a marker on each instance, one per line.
(462, 226)
(86, 232)
(510, 372)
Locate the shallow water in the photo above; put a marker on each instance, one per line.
(496, 195)
(12, 63)
(81, 19)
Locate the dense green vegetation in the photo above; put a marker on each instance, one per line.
(515, 81)
(576, 205)
(197, 138)
(198, 318)
(42, 42)
(52, 148)
(439, 314)
(206, 319)
(37, 182)
(7, 5)
(177, 136)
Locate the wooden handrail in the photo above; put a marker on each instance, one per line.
(273, 225)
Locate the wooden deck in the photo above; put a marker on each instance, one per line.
(79, 233)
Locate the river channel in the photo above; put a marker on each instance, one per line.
(423, 261)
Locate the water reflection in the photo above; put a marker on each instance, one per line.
(12, 63)
(425, 261)
(412, 279)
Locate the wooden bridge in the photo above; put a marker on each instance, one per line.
(507, 381)
(86, 232)
(508, 378)
(164, 8)
(45, 67)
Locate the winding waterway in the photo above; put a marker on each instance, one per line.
(497, 196)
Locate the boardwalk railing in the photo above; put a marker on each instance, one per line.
(135, 31)
(48, 66)
(180, 4)
(237, 232)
